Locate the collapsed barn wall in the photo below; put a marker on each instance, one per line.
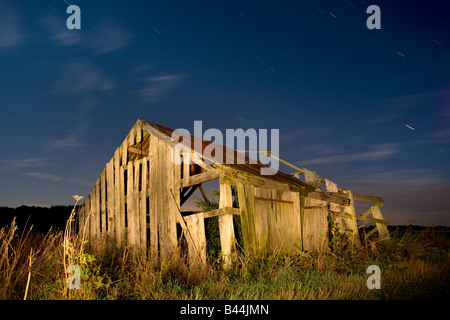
(136, 202)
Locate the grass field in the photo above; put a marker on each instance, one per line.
(414, 265)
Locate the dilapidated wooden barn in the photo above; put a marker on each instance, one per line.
(136, 201)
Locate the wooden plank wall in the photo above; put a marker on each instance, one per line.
(277, 220)
(126, 195)
(314, 219)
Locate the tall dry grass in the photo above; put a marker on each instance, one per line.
(415, 265)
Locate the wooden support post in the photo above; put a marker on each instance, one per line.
(226, 228)
(381, 227)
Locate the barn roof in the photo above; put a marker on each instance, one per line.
(248, 166)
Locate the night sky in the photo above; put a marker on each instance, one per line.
(367, 109)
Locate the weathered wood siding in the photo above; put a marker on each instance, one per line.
(314, 219)
(128, 194)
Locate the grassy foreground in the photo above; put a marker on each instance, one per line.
(414, 265)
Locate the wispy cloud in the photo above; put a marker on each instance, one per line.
(306, 131)
(409, 177)
(12, 165)
(156, 87)
(81, 182)
(109, 37)
(106, 38)
(70, 142)
(11, 33)
(82, 78)
(43, 176)
(436, 137)
(58, 32)
(396, 108)
(379, 152)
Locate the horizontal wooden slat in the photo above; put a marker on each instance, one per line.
(363, 197)
(138, 151)
(273, 200)
(326, 196)
(221, 211)
(315, 207)
(200, 178)
(371, 219)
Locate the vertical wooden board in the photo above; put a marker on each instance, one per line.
(153, 199)
(382, 228)
(186, 168)
(103, 202)
(316, 218)
(263, 212)
(119, 224)
(196, 250)
(138, 228)
(226, 228)
(87, 218)
(131, 214)
(138, 131)
(247, 220)
(279, 229)
(227, 239)
(160, 199)
(80, 219)
(332, 187)
(315, 231)
(287, 221)
(143, 203)
(315, 224)
(171, 191)
(295, 197)
(132, 137)
(96, 210)
(351, 222)
(124, 153)
(121, 209)
(110, 201)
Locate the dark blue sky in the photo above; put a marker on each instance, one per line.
(342, 95)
